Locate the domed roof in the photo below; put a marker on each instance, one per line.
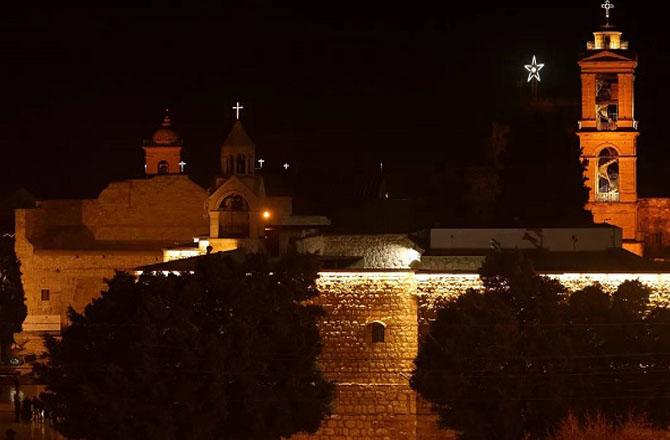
(166, 135)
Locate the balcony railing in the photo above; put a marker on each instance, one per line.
(607, 197)
(602, 125)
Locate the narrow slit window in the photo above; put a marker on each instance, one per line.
(378, 332)
(45, 295)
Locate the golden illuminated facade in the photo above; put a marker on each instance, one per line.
(608, 133)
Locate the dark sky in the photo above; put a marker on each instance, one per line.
(329, 83)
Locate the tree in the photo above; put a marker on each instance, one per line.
(515, 358)
(542, 171)
(226, 352)
(13, 310)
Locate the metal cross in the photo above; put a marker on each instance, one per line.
(237, 109)
(261, 162)
(607, 6)
(286, 165)
(182, 164)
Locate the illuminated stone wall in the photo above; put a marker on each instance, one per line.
(374, 400)
(654, 224)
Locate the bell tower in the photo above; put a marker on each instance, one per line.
(608, 130)
(162, 154)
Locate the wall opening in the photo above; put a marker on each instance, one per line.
(234, 217)
(607, 179)
(378, 332)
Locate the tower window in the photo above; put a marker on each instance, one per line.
(607, 101)
(608, 176)
(241, 167)
(378, 330)
(163, 167)
(45, 294)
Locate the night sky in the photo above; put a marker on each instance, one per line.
(334, 84)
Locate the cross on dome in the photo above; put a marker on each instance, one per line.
(607, 6)
(237, 109)
(534, 70)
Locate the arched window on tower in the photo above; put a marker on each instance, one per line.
(234, 217)
(163, 167)
(241, 164)
(607, 178)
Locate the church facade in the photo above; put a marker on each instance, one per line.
(378, 291)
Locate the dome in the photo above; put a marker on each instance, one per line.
(165, 135)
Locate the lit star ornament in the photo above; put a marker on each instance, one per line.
(534, 70)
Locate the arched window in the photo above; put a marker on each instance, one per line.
(241, 164)
(163, 167)
(607, 178)
(378, 330)
(234, 217)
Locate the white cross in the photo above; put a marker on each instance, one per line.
(534, 70)
(286, 165)
(237, 109)
(607, 6)
(182, 164)
(261, 162)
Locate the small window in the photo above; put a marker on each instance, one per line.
(378, 332)
(46, 295)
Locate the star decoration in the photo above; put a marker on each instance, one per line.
(534, 70)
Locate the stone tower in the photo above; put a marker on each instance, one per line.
(608, 132)
(162, 154)
(238, 153)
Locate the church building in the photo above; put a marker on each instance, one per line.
(608, 133)
(378, 291)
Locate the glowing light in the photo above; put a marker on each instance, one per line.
(266, 215)
(607, 6)
(286, 165)
(237, 109)
(534, 70)
(261, 162)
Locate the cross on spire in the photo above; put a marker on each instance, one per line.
(237, 109)
(607, 6)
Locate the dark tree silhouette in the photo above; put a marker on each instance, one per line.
(227, 352)
(542, 177)
(13, 310)
(516, 358)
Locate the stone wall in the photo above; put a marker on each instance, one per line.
(162, 208)
(374, 400)
(654, 224)
(376, 252)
